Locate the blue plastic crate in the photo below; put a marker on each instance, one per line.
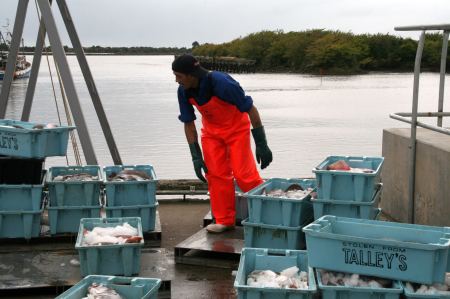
(346, 185)
(20, 224)
(74, 193)
(67, 219)
(287, 212)
(338, 292)
(126, 287)
(275, 260)
(117, 259)
(410, 294)
(32, 143)
(130, 192)
(351, 209)
(273, 236)
(147, 213)
(21, 197)
(397, 251)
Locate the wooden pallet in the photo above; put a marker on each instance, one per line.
(212, 250)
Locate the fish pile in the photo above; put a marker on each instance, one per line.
(129, 175)
(85, 177)
(342, 165)
(119, 234)
(99, 291)
(435, 289)
(331, 278)
(289, 278)
(294, 191)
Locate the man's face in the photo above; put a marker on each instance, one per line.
(185, 80)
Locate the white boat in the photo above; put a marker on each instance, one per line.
(22, 67)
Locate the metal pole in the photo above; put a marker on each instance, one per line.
(424, 114)
(412, 164)
(442, 77)
(69, 86)
(34, 71)
(12, 55)
(89, 81)
(421, 124)
(423, 27)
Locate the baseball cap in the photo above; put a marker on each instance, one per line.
(188, 64)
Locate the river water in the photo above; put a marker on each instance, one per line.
(307, 118)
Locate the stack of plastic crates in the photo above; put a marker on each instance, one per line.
(21, 197)
(71, 200)
(277, 222)
(25, 146)
(131, 198)
(349, 193)
(394, 251)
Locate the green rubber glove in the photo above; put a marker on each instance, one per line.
(197, 159)
(263, 152)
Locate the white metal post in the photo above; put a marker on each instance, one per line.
(89, 81)
(12, 55)
(442, 76)
(34, 71)
(412, 164)
(67, 80)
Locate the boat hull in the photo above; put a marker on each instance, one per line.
(18, 74)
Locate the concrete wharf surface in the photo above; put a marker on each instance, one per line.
(179, 220)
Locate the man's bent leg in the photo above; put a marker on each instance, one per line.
(242, 161)
(220, 181)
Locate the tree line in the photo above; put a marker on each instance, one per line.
(328, 52)
(312, 51)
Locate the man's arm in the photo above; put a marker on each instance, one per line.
(263, 153)
(254, 117)
(191, 132)
(196, 152)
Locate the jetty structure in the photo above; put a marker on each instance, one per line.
(227, 64)
(416, 174)
(189, 262)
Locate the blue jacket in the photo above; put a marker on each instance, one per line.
(217, 84)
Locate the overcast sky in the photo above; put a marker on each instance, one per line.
(177, 23)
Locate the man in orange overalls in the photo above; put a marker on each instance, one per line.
(226, 116)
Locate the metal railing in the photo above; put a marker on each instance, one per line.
(411, 118)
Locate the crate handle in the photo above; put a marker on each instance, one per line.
(73, 167)
(131, 167)
(276, 252)
(356, 159)
(122, 281)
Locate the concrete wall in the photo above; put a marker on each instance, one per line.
(432, 184)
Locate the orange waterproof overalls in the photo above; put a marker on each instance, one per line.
(225, 137)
